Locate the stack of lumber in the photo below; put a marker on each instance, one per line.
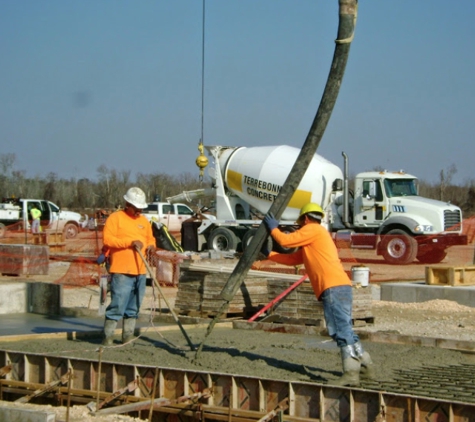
(303, 304)
(200, 285)
(198, 294)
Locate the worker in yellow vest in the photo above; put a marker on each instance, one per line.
(35, 217)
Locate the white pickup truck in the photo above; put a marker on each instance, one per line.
(17, 211)
(171, 215)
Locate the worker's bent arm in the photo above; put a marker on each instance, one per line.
(295, 258)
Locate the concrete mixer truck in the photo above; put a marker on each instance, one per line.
(383, 211)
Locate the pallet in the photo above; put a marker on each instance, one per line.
(450, 276)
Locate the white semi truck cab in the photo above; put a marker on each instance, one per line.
(383, 212)
(407, 225)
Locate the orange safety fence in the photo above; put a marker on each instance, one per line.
(80, 269)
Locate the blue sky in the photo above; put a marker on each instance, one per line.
(118, 82)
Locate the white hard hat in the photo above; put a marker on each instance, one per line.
(136, 197)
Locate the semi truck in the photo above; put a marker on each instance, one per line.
(17, 211)
(383, 211)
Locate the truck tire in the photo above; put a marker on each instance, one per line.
(70, 231)
(2, 229)
(398, 247)
(222, 239)
(433, 256)
(246, 239)
(281, 249)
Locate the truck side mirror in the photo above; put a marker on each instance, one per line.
(372, 189)
(369, 191)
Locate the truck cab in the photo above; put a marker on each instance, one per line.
(408, 226)
(171, 215)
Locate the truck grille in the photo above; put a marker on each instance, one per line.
(452, 220)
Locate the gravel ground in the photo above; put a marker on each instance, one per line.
(436, 318)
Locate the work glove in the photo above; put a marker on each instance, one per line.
(137, 244)
(270, 222)
(101, 259)
(152, 258)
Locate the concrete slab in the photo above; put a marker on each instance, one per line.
(421, 292)
(13, 298)
(15, 414)
(25, 323)
(20, 296)
(45, 298)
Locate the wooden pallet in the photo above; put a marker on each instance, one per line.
(450, 276)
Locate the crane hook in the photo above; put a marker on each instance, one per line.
(201, 160)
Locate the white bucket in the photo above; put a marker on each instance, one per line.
(360, 275)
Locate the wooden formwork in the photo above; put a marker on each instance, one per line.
(232, 397)
(450, 276)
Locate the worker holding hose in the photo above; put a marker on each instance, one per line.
(126, 232)
(331, 285)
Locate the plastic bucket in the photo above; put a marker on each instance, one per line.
(360, 275)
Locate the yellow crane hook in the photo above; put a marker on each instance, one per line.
(201, 160)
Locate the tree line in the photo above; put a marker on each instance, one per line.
(110, 185)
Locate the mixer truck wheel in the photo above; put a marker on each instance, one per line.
(246, 239)
(281, 249)
(398, 247)
(223, 239)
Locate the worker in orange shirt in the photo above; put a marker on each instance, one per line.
(126, 231)
(331, 285)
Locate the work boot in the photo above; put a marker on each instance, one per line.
(351, 367)
(108, 333)
(128, 330)
(367, 367)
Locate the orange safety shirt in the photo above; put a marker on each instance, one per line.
(120, 231)
(317, 252)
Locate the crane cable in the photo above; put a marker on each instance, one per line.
(201, 160)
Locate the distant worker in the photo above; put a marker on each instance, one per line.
(331, 285)
(35, 219)
(126, 231)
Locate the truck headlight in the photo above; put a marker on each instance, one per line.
(423, 228)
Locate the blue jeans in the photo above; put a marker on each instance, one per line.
(337, 305)
(127, 293)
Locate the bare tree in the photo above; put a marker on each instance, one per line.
(446, 179)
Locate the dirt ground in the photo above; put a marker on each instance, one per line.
(311, 358)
